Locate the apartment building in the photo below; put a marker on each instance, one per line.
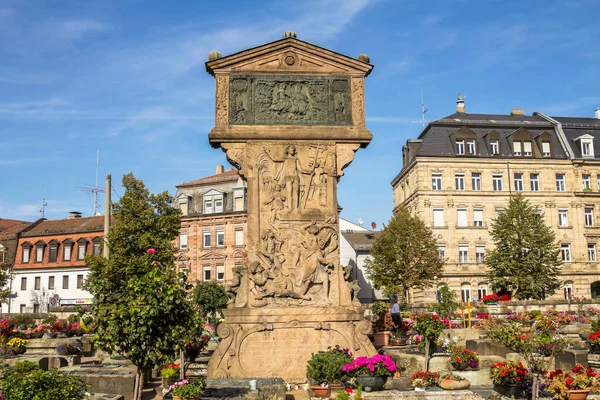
(462, 169)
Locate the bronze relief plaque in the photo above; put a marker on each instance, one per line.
(289, 100)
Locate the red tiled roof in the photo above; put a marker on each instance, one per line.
(66, 226)
(8, 223)
(231, 175)
(10, 227)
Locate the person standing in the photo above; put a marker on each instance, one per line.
(395, 312)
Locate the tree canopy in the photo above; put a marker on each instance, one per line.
(141, 305)
(526, 255)
(404, 256)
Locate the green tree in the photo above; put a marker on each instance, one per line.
(447, 303)
(141, 305)
(210, 298)
(404, 256)
(526, 255)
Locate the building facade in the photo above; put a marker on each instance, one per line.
(213, 225)
(50, 263)
(461, 171)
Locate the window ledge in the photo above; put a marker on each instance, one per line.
(440, 227)
(565, 227)
(238, 246)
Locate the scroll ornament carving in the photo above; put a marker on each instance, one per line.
(345, 155)
(221, 110)
(236, 154)
(358, 102)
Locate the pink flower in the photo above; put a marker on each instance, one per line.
(151, 251)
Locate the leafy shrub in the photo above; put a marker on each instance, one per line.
(379, 308)
(75, 347)
(24, 367)
(73, 318)
(42, 385)
(50, 319)
(326, 366)
(62, 349)
(23, 321)
(210, 298)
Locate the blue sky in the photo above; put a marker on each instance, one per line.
(127, 78)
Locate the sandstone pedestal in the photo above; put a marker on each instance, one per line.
(290, 116)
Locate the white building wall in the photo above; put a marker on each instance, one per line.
(30, 296)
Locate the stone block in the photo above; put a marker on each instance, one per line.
(485, 347)
(267, 388)
(477, 378)
(486, 361)
(430, 394)
(461, 334)
(412, 362)
(439, 363)
(569, 358)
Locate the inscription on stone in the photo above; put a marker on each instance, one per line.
(270, 100)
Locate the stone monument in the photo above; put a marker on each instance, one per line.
(289, 115)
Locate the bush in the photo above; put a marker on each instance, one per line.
(326, 366)
(75, 347)
(50, 319)
(23, 321)
(210, 298)
(73, 318)
(62, 349)
(24, 367)
(42, 385)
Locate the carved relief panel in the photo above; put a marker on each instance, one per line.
(288, 100)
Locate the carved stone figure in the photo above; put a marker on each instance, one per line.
(232, 287)
(353, 285)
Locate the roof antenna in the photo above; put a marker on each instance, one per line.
(43, 209)
(424, 110)
(94, 189)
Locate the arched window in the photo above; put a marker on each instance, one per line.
(465, 292)
(482, 290)
(568, 290)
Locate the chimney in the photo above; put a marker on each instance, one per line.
(460, 104)
(598, 113)
(517, 112)
(220, 169)
(74, 214)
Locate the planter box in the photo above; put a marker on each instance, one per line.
(381, 338)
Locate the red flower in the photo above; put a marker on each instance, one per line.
(348, 390)
(435, 316)
(151, 251)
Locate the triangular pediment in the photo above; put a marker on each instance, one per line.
(213, 192)
(289, 55)
(212, 256)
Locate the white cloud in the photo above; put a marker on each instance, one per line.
(75, 29)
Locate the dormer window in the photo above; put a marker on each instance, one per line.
(239, 196)
(53, 251)
(213, 202)
(494, 147)
(517, 148)
(183, 202)
(26, 252)
(587, 148)
(460, 147)
(545, 149)
(471, 146)
(527, 148)
(81, 249)
(96, 249)
(39, 251)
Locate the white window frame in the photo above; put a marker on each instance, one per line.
(183, 240)
(471, 148)
(495, 146)
(441, 251)
(220, 235)
(498, 211)
(239, 194)
(439, 212)
(465, 292)
(560, 183)
(463, 254)
(459, 147)
(239, 237)
(586, 181)
(527, 148)
(461, 218)
(587, 147)
(480, 254)
(436, 181)
(205, 235)
(546, 149)
(568, 290)
(588, 214)
(81, 246)
(517, 150)
(476, 181)
(459, 181)
(482, 290)
(67, 251)
(534, 182)
(206, 274)
(26, 255)
(563, 217)
(218, 204)
(478, 217)
(208, 206)
(497, 184)
(39, 253)
(220, 273)
(565, 252)
(518, 181)
(591, 250)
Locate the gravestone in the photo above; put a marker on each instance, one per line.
(289, 115)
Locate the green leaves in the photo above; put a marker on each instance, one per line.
(141, 306)
(404, 256)
(526, 255)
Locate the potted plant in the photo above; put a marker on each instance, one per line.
(461, 359)
(170, 373)
(510, 379)
(326, 367)
(491, 299)
(349, 394)
(593, 341)
(573, 386)
(383, 324)
(400, 337)
(186, 390)
(371, 373)
(193, 349)
(430, 327)
(16, 346)
(454, 382)
(424, 379)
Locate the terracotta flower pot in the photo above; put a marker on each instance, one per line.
(320, 391)
(449, 384)
(581, 394)
(381, 338)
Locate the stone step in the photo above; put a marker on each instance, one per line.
(103, 396)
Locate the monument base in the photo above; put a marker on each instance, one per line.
(274, 342)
